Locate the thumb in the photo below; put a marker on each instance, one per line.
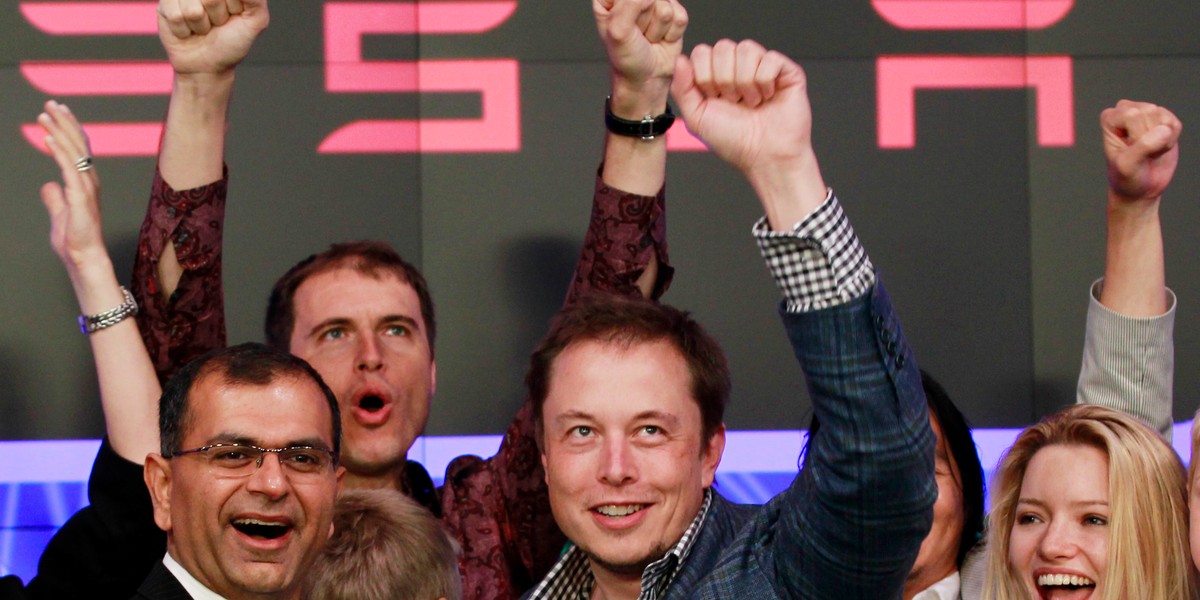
(257, 12)
(687, 96)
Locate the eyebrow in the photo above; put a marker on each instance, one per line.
(574, 415)
(579, 415)
(411, 322)
(241, 440)
(327, 323)
(1075, 504)
(344, 322)
(657, 415)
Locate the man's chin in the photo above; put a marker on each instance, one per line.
(375, 460)
(264, 578)
(626, 565)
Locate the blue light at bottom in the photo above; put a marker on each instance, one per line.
(43, 483)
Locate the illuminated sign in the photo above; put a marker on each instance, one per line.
(497, 81)
(899, 77)
(972, 14)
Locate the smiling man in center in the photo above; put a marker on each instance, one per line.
(629, 453)
(628, 396)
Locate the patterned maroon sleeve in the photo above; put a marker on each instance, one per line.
(498, 509)
(192, 321)
(625, 231)
(499, 512)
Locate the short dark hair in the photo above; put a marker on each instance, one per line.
(626, 321)
(249, 364)
(384, 546)
(368, 257)
(956, 434)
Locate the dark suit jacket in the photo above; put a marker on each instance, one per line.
(161, 585)
(852, 521)
(11, 588)
(98, 553)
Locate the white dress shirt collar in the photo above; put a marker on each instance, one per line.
(194, 588)
(946, 589)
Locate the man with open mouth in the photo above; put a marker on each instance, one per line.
(247, 478)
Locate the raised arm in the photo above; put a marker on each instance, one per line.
(625, 248)
(106, 548)
(853, 520)
(129, 389)
(751, 107)
(1129, 354)
(624, 252)
(177, 273)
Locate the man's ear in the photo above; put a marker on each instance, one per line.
(432, 378)
(710, 458)
(157, 474)
(341, 477)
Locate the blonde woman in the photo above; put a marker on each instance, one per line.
(1089, 503)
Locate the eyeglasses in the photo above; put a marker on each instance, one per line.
(240, 460)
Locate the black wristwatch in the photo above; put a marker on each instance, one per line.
(648, 128)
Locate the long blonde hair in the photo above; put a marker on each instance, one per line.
(1148, 548)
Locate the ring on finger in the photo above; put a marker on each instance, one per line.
(84, 164)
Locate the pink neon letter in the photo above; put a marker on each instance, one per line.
(99, 78)
(900, 76)
(973, 14)
(99, 18)
(497, 81)
(108, 139)
(681, 139)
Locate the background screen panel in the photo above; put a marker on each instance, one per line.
(963, 144)
(966, 154)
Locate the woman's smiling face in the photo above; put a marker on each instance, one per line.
(1059, 540)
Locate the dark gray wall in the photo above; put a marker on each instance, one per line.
(987, 240)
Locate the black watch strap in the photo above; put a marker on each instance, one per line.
(647, 129)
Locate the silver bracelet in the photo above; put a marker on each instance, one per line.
(93, 323)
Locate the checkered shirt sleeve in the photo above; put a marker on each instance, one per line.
(820, 263)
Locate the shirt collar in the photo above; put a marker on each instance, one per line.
(946, 589)
(572, 579)
(190, 584)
